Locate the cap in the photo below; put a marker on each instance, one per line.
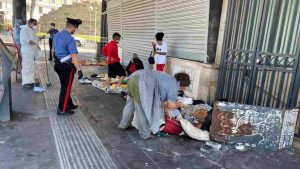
(75, 22)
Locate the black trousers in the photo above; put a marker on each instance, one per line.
(66, 74)
(51, 46)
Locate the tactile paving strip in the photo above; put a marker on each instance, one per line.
(77, 144)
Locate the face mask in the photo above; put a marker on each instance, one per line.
(34, 27)
(117, 41)
(74, 30)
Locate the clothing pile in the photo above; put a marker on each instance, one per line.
(196, 114)
(190, 120)
(100, 82)
(92, 63)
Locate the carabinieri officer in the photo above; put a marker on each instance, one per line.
(66, 64)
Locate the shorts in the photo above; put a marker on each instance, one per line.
(160, 67)
(116, 69)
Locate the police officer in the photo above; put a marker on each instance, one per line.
(66, 64)
(52, 31)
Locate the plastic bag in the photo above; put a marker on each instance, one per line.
(193, 131)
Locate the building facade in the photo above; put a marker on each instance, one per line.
(254, 59)
(42, 7)
(6, 12)
(186, 25)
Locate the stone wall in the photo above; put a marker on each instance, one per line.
(81, 11)
(221, 32)
(203, 77)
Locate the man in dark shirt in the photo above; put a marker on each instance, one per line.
(52, 31)
(134, 64)
(67, 63)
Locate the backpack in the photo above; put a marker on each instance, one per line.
(104, 51)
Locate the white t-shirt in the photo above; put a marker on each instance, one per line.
(161, 59)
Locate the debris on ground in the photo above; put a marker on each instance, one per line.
(206, 149)
(214, 145)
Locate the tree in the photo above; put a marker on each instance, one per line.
(33, 2)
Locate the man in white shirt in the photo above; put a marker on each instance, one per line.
(160, 51)
(29, 51)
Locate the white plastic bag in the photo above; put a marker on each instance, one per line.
(193, 131)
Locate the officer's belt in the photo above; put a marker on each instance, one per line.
(65, 58)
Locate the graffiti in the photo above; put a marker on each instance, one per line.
(264, 127)
(288, 128)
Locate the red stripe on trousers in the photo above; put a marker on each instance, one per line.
(68, 90)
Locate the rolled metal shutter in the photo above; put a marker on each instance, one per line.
(185, 24)
(114, 17)
(138, 28)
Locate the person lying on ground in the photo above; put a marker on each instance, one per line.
(150, 93)
(134, 65)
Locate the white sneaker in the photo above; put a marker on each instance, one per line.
(85, 81)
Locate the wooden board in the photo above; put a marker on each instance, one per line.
(1, 91)
(298, 125)
(6, 51)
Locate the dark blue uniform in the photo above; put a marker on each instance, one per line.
(64, 46)
(52, 33)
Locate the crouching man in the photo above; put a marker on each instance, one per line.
(150, 93)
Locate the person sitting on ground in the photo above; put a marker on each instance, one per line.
(114, 66)
(150, 93)
(160, 52)
(134, 64)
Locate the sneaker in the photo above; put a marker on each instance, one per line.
(85, 81)
(108, 90)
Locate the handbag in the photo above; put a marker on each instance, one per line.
(151, 59)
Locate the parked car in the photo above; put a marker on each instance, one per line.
(79, 41)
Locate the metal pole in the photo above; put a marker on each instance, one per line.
(95, 25)
(90, 23)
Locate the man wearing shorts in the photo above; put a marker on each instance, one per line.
(160, 51)
(114, 66)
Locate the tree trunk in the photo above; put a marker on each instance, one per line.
(32, 7)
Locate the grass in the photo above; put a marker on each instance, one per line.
(85, 37)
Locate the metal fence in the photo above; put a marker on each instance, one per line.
(260, 59)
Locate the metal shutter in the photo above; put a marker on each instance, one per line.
(114, 17)
(185, 24)
(138, 28)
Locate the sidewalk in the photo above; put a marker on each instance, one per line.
(37, 138)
